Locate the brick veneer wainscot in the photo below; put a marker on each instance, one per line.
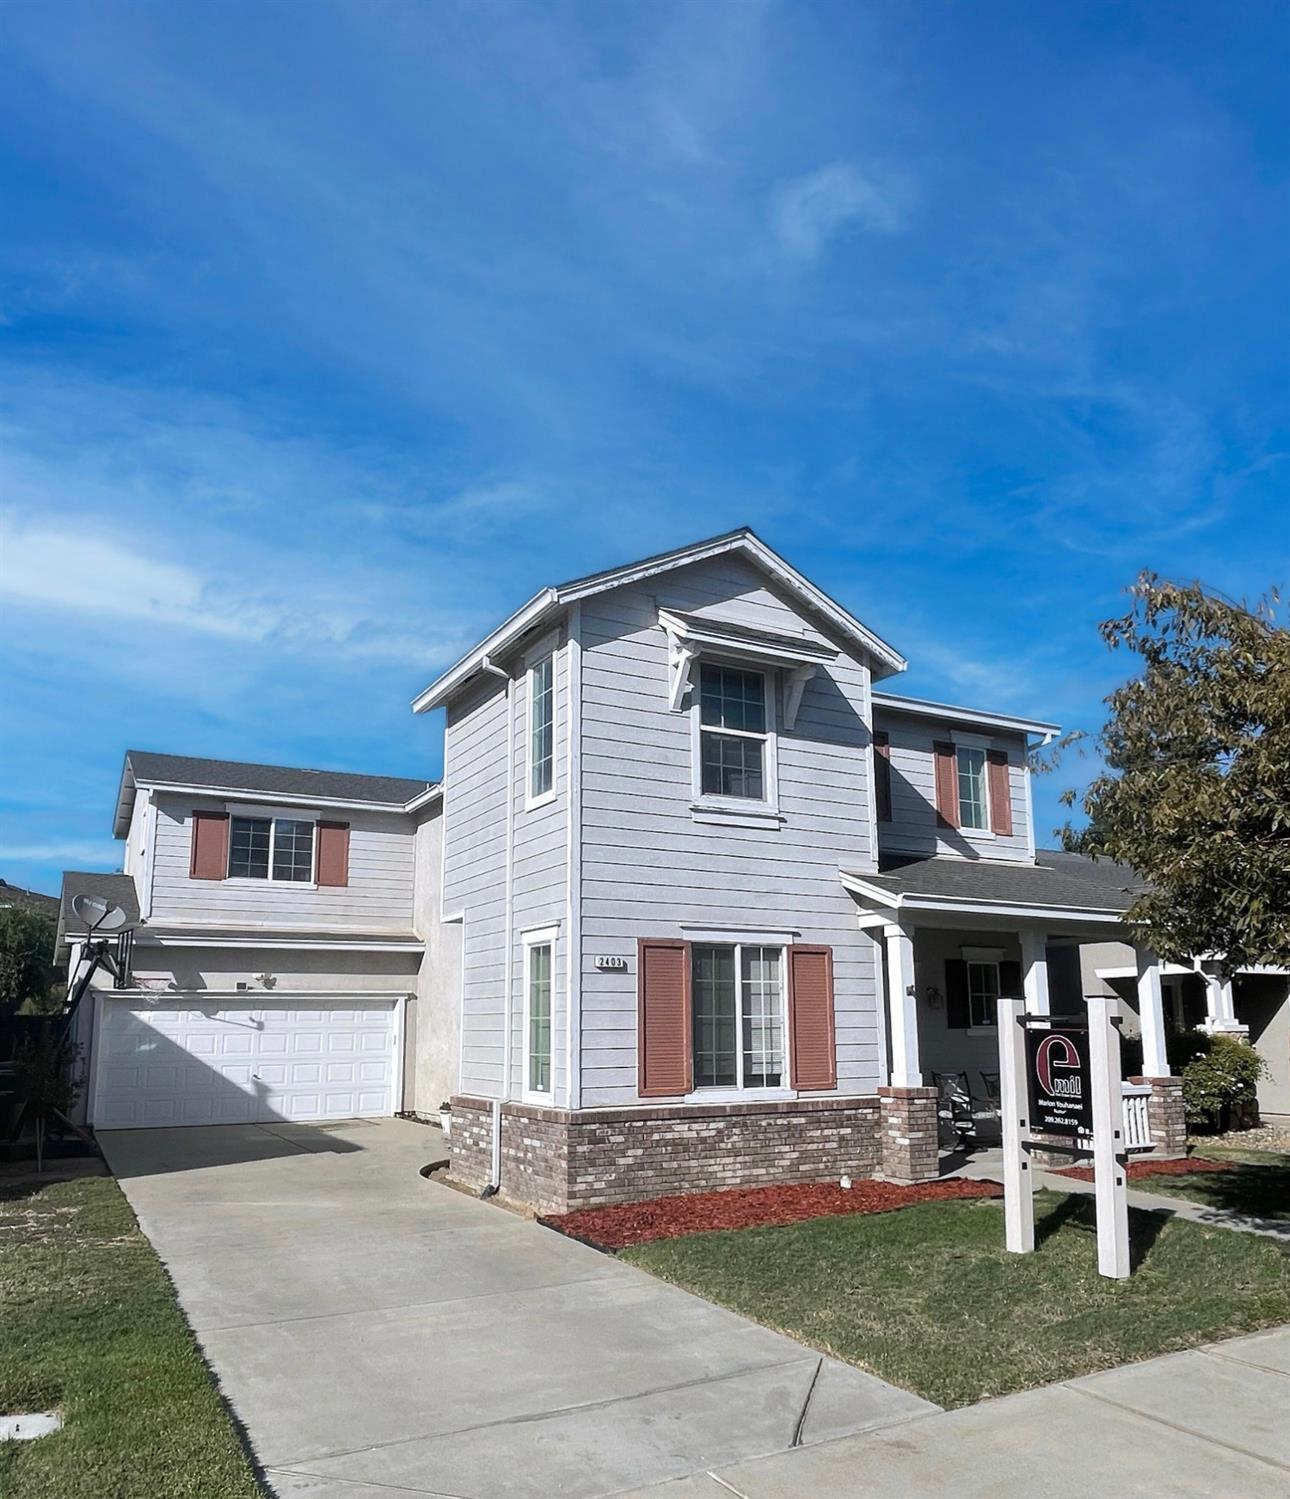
(554, 1160)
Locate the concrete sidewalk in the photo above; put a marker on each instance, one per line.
(1213, 1424)
(381, 1336)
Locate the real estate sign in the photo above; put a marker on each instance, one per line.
(1059, 1081)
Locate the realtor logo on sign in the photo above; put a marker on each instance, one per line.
(1061, 1096)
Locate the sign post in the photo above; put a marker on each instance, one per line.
(1061, 1078)
(1110, 1167)
(1018, 1185)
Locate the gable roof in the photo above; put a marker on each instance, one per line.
(746, 542)
(334, 787)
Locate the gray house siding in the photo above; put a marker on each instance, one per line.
(474, 873)
(913, 828)
(480, 773)
(540, 892)
(377, 898)
(649, 869)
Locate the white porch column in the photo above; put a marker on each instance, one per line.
(902, 1008)
(1034, 972)
(1220, 1004)
(1151, 1014)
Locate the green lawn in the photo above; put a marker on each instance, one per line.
(89, 1326)
(928, 1298)
(1260, 1186)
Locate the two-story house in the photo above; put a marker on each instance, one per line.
(696, 904)
(724, 905)
(276, 954)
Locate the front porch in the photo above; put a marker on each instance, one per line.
(948, 955)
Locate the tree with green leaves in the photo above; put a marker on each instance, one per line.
(26, 960)
(1195, 794)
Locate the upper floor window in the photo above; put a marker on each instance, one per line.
(732, 732)
(973, 807)
(738, 1000)
(542, 729)
(270, 848)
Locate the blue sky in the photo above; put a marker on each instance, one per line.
(329, 333)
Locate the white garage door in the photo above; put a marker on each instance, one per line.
(229, 1063)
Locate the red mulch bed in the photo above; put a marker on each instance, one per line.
(1188, 1166)
(751, 1207)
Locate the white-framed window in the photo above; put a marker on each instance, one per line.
(539, 988)
(271, 848)
(983, 993)
(541, 779)
(974, 806)
(734, 733)
(738, 999)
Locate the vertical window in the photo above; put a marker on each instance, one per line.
(973, 812)
(270, 848)
(738, 999)
(537, 1073)
(983, 992)
(732, 732)
(542, 728)
(293, 849)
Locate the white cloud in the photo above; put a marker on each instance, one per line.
(104, 854)
(810, 210)
(70, 568)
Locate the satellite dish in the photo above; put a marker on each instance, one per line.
(98, 914)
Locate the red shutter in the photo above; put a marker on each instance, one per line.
(882, 774)
(947, 785)
(1000, 794)
(333, 853)
(810, 1017)
(209, 859)
(664, 1068)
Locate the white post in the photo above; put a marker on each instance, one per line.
(1220, 1004)
(1034, 972)
(902, 1006)
(1151, 1014)
(1109, 1169)
(1018, 1181)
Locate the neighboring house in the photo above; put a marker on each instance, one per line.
(695, 905)
(1254, 1003)
(725, 905)
(278, 956)
(27, 900)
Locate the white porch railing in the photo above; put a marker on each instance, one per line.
(1137, 1125)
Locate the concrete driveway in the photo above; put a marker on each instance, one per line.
(381, 1336)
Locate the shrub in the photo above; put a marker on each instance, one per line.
(1220, 1083)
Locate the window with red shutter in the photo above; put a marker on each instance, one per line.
(663, 1018)
(1000, 794)
(947, 784)
(209, 860)
(813, 1055)
(333, 853)
(882, 774)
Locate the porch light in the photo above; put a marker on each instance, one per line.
(934, 997)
